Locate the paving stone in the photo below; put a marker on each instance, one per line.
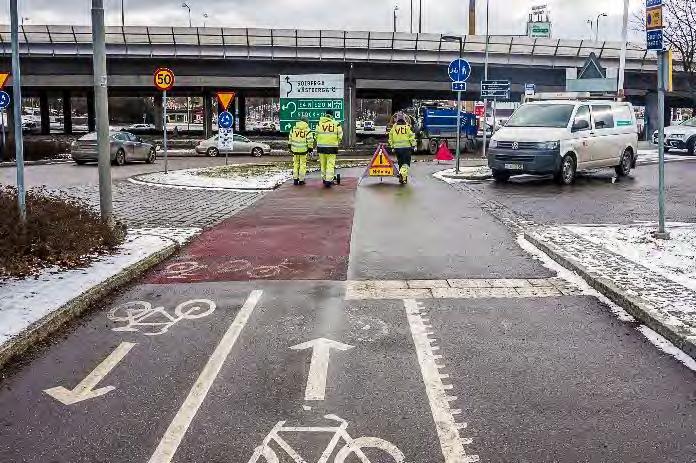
(428, 284)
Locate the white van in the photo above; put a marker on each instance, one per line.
(560, 137)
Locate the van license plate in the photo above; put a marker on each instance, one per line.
(514, 166)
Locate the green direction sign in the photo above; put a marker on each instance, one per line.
(292, 109)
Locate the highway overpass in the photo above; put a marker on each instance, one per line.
(56, 59)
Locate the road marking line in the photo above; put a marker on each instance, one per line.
(177, 428)
(85, 389)
(319, 365)
(451, 443)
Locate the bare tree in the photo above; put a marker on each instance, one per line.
(680, 34)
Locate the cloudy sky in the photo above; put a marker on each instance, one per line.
(440, 16)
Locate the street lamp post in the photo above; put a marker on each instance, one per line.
(186, 5)
(591, 23)
(17, 112)
(205, 19)
(396, 8)
(601, 15)
(420, 16)
(410, 23)
(123, 13)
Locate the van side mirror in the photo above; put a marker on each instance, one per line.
(580, 125)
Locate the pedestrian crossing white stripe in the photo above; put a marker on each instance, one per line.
(451, 443)
(177, 429)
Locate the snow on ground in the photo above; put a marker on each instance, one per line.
(23, 302)
(191, 178)
(674, 259)
(652, 157)
(466, 174)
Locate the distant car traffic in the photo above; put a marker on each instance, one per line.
(140, 128)
(680, 137)
(369, 126)
(125, 147)
(242, 145)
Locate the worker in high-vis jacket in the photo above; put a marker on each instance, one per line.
(402, 141)
(301, 140)
(329, 135)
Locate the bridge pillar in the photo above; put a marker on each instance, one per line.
(157, 110)
(45, 114)
(67, 112)
(207, 114)
(651, 114)
(240, 106)
(91, 112)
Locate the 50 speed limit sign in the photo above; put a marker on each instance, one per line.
(164, 79)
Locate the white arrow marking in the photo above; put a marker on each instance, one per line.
(319, 365)
(85, 390)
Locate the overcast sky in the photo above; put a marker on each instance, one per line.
(439, 16)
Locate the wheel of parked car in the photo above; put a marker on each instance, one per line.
(80, 163)
(257, 152)
(566, 174)
(151, 156)
(120, 158)
(501, 176)
(691, 146)
(212, 152)
(624, 168)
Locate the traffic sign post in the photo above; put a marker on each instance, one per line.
(459, 71)
(381, 164)
(495, 89)
(225, 99)
(164, 80)
(226, 133)
(4, 104)
(529, 89)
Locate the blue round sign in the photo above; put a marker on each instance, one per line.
(4, 100)
(459, 70)
(225, 120)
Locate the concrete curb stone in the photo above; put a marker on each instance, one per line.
(46, 326)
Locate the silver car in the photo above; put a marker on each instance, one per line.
(242, 145)
(125, 147)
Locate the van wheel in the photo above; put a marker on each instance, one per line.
(568, 171)
(624, 168)
(501, 176)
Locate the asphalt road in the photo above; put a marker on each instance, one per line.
(501, 378)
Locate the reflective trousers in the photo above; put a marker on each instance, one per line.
(403, 158)
(328, 166)
(299, 166)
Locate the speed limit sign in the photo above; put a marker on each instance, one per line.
(164, 79)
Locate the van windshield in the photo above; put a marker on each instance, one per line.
(541, 115)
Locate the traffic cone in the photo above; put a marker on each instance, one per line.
(443, 153)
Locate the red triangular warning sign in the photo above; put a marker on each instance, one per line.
(381, 164)
(226, 98)
(3, 79)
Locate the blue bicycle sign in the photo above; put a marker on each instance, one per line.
(225, 120)
(459, 70)
(4, 100)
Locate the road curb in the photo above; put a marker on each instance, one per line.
(43, 328)
(37, 163)
(637, 307)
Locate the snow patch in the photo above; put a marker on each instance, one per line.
(23, 302)
(466, 174)
(191, 178)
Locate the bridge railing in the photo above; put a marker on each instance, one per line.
(202, 42)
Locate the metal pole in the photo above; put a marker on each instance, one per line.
(661, 232)
(411, 22)
(2, 115)
(17, 108)
(472, 17)
(164, 125)
(395, 9)
(101, 103)
(459, 129)
(420, 16)
(624, 44)
(485, 72)
(495, 107)
(123, 13)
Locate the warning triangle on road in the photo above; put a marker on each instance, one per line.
(226, 98)
(381, 164)
(3, 79)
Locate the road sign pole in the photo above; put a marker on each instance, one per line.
(17, 108)
(164, 125)
(2, 117)
(661, 232)
(101, 103)
(459, 129)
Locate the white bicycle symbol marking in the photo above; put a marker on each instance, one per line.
(259, 271)
(352, 446)
(183, 269)
(141, 314)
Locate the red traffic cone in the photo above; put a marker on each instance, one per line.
(443, 152)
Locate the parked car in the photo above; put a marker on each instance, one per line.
(125, 147)
(242, 145)
(680, 137)
(140, 128)
(369, 126)
(562, 137)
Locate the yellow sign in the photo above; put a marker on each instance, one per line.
(3, 79)
(653, 18)
(226, 98)
(381, 164)
(164, 79)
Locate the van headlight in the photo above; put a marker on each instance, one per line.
(549, 145)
